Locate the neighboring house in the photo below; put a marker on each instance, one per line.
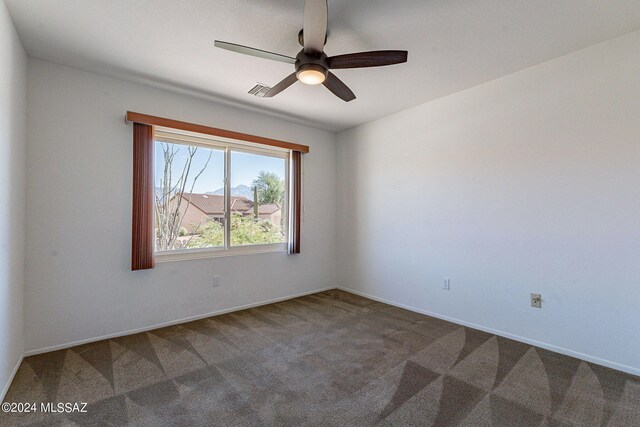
(197, 209)
(270, 212)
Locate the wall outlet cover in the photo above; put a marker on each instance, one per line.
(536, 300)
(217, 281)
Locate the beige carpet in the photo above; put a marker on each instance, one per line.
(331, 358)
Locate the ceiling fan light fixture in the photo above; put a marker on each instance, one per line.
(311, 74)
(312, 64)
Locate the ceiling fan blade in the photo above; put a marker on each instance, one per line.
(288, 81)
(375, 58)
(254, 52)
(338, 88)
(315, 26)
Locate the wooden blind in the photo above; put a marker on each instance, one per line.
(142, 242)
(296, 201)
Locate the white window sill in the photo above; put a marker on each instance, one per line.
(189, 254)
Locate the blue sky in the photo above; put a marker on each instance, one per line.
(244, 167)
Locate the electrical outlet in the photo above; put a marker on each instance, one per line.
(446, 283)
(536, 300)
(217, 281)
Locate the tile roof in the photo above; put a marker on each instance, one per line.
(213, 204)
(268, 208)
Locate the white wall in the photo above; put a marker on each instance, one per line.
(13, 101)
(78, 282)
(529, 183)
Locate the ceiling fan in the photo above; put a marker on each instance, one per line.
(312, 64)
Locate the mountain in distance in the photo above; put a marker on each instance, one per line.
(238, 191)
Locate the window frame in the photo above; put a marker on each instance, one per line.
(228, 146)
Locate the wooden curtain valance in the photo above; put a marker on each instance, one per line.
(207, 130)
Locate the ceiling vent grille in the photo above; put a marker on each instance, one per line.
(260, 90)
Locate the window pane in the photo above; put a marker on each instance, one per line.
(189, 182)
(258, 194)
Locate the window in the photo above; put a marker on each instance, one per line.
(216, 197)
(164, 218)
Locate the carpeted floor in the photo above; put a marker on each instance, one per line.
(331, 358)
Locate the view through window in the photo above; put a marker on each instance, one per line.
(196, 185)
(258, 199)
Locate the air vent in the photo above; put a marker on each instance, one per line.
(260, 90)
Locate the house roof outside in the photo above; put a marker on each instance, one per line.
(268, 208)
(213, 204)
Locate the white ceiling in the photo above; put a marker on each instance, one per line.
(452, 44)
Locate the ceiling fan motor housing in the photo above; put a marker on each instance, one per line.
(317, 62)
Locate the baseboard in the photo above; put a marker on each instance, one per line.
(546, 346)
(170, 323)
(10, 380)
